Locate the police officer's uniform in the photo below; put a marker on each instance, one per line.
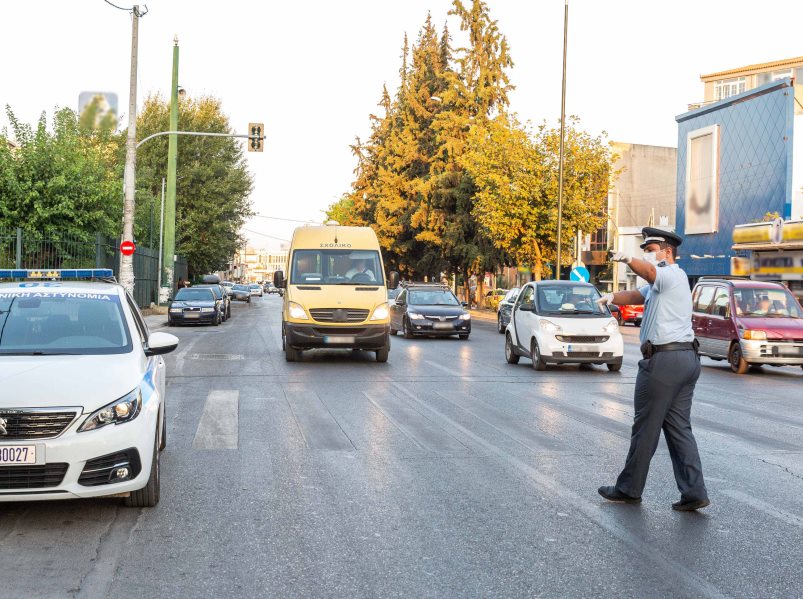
(665, 384)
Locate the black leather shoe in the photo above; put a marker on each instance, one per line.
(690, 505)
(611, 494)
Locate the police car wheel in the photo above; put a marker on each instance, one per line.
(510, 355)
(535, 354)
(147, 496)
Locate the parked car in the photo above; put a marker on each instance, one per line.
(240, 293)
(560, 322)
(748, 323)
(255, 289)
(270, 288)
(493, 297)
(633, 313)
(429, 309)
(194, 305)
(222, 295)
(83, 402)
(505, 310)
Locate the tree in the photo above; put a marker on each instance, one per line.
(516, 174)
(64, 182)
(212, 185)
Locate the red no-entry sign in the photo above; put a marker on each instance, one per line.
(127, 248)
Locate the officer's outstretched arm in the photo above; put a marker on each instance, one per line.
(643, 269)
(632, 297)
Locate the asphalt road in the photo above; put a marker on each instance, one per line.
(444, 473)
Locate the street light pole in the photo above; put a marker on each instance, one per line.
(169, 246)
(130, 177)
(562, 136)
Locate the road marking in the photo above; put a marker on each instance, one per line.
(219, 425)
(215, 357)
(765, 507)
(443, 368)
(596, 512)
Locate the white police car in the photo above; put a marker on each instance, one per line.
(82, 389)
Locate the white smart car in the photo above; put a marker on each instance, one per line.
(556, 322)
(82, 389)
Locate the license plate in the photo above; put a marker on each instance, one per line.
(338, 339)
(192, 315)
(443, 325)
(581, 348)
(17, 454)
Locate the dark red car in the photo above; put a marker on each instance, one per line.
(748, 323)
(632, 314)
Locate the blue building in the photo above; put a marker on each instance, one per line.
(738, 159)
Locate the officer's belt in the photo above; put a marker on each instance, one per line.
(648, 349)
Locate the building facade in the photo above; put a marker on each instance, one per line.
(725, 84)
(739, 161)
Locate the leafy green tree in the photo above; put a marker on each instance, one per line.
(212, 184)
(65, 181)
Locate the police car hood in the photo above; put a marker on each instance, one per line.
(90, 382)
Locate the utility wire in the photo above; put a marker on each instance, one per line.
(266, 235)
(289, 220)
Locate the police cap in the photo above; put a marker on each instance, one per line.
(653, 235)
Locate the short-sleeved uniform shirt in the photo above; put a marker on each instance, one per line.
(667, 307)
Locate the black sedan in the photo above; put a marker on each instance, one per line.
(429, 310)
(194, 305)
(241, 293)
(506, 309)
(221, 295)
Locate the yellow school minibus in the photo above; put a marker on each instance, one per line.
(336, 295)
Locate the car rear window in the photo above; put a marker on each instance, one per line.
(62, 324)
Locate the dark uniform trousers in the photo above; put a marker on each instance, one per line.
(663, 396)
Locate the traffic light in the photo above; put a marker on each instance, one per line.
(256, 136)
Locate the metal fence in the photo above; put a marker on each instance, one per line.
(28, 249)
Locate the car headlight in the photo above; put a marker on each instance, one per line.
(123, 410)
(207, 310)
(415, 316)
(381, 312)
(465, 316)
(175, 310)
(549, 327)
(611, 326)
(296, 311)
(756, 335)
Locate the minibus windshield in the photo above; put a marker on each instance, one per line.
(336, 267)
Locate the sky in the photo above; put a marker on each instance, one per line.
(313, 70)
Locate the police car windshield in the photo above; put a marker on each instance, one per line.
(568, 300)
(62, 323)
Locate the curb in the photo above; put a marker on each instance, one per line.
(484, 315)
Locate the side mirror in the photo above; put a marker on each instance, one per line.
(278, 279)
(464, 304)
(393, 279)
(528, 307)
(160, 343)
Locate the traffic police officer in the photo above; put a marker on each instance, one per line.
(666, 376)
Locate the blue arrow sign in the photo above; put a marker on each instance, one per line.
(580, 274)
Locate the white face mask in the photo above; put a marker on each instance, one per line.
(652, 258)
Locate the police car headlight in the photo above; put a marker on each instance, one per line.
(124, 409)
(296, 311)
(380, 312)
(611, 326)
(549, 327)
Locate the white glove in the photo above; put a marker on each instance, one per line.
(605, 299)
(621, 257)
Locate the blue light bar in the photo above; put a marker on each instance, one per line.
(45, 274)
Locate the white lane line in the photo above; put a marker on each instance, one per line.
(219, 425)
(763, 506)
(443, 368)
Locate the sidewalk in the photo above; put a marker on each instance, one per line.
(156, 321)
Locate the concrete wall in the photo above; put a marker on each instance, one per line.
(646, 185)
